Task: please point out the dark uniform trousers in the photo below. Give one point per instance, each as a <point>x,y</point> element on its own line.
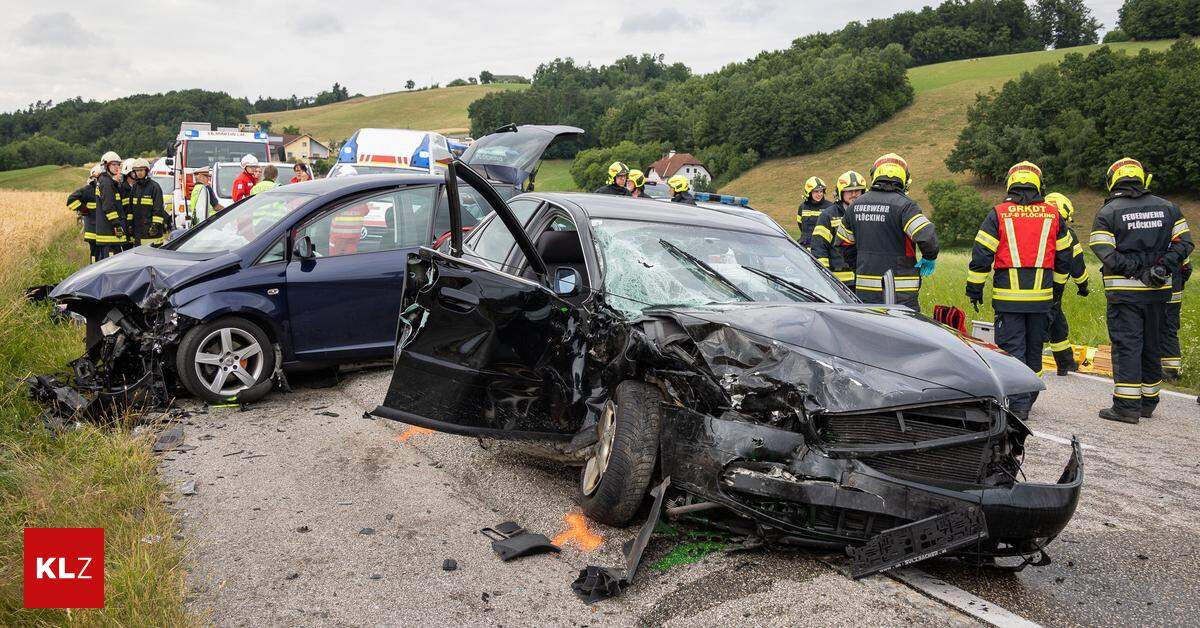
<point>1135,329</point>
<point>1021,335</point>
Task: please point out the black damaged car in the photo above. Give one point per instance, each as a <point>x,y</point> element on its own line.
<point>646,339</point>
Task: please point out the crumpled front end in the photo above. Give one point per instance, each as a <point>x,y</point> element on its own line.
<point>821,450</point>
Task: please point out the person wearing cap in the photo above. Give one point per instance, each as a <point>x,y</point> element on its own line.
<point>110,219</point>
<point>246,180</point>
<point>1142,241</point>
<point>204,200</point>
<point>810,209</point>
<point>884,229</point>
<point>618,177</point>
<point>83,201</point>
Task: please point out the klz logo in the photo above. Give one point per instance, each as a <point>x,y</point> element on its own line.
<point>64,567</point>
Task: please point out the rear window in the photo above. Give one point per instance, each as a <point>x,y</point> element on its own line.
<point>166,182</point>
<point>202,153</point>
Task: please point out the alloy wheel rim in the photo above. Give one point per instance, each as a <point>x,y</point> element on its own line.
<point>228,360</point>
<point>606,432</point>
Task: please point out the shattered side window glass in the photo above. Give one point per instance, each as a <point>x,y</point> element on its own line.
<point>649,264</point>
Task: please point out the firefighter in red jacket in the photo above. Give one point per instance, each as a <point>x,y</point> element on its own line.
<point>246,179</point>
<point>1059,331</point>
<point>1142,242</point>
<point>1025,240</point>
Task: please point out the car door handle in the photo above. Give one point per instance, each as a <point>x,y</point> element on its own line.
<point>458,300</point>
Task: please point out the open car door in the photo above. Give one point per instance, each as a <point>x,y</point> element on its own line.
<point>509,157</point>
<point>481,350</point>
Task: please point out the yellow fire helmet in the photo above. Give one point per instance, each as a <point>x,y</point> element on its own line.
<point>1024,173</point>
<point>1127,168</point>
<point>615,170</point>
<point>678,183</point>
<point>891,166</point>
<point>850,180</point>
<point>811,184</point>
<point>1062,204</point>
<point>638,177</point>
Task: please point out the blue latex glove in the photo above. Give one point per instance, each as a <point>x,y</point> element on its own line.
<point>926,266</point>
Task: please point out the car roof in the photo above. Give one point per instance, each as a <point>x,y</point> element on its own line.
<point>358,182</point>
<point>628,208</point>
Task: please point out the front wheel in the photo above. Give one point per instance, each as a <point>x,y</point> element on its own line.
<point>225,360</point>
<point>614,480</point>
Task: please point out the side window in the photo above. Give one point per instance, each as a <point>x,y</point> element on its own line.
<point>275,253</point>
<point>383,222</point>
<point>494,241</point>
<point>475,209</point>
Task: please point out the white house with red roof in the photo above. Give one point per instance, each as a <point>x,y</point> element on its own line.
<point>674,163</point>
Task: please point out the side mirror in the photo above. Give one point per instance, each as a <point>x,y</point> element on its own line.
<point>169,162</point>
<point>303,249</point>
<point>566,282</point>
<point>171,149</point>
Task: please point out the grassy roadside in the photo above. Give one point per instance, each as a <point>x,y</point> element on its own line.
<point>88,477</point>
<point>51,178</point>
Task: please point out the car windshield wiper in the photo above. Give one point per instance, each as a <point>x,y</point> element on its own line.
<point>788,284</point>
<point>709,270</point>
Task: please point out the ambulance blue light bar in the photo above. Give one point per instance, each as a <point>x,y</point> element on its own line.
<point>260,135</point>
<point>191,133</point>
<point>724,199</point>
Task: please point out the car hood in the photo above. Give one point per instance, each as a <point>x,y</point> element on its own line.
<point>851,357</point>
<point>140,275</point>
<point>511,154</point>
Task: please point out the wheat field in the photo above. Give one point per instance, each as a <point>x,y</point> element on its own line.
<point>29,221</point>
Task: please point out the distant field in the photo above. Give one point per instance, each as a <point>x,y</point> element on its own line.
<point>50,178</point>
<point>924,133</point>
<point>555,176</point>
<point>443,109</point>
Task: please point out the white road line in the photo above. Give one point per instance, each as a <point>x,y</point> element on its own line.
<point>968,603</point>
<point>1106,380</point>
<point>1057,439</point>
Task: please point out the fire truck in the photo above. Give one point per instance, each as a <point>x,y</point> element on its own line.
<point>199,146</point>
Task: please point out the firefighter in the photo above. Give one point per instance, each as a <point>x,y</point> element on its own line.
<point>829,250</point>
<point>1172,360</point>
<point>1142,241</point>
<point>618,176</point>
<point>204,200</point>
<point>1059,332</point>
<point>681,190</point>
<point>246,179</point>
<point>126,184</point>
<point>110,220</point>
<point>1026,241</point>
<point>83,202</point>
<point>637,183</point>
<point>883,230</point>
<point>810,210</point>
<point>150,217</point>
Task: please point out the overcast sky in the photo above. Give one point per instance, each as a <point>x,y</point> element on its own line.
<point>70,48</point>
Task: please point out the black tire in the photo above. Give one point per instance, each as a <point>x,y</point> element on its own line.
<point>240,328</point>
<point>630,467</point>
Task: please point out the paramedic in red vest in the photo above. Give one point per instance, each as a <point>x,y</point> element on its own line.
<point>246,180</point>
<point>1026,241</point>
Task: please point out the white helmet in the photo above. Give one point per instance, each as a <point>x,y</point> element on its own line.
<point>95,171</point>
<point>248,161</point>
<point>140,163</point>
<point>127,166</point>
<point>109,157</point>
<point>346,172</point>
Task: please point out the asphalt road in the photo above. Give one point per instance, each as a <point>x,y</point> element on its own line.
<point>307,513</point>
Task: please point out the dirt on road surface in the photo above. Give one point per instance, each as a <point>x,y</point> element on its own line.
<point>305,512</point>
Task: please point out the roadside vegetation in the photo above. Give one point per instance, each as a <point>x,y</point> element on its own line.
<point>55,178</point>
<point>87,476</point>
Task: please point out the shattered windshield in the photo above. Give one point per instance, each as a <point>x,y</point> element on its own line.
<point>239,225</point>
<point>649,264</point>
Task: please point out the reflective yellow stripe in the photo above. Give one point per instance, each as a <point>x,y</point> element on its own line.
<point>824,261</point>
<point>1082,278</point>
<point>1152,389</point>
<point>1172,363</point>
<point>1013,251</point>
<point>809,213</point>
<point>107,239</point>
<point>915,224</point>
<point>158,220</point>
<point>974,277</point>
<point>112,215</point>
<point>844,276</point>
<point>73,205</point>
<point>1060,277</point>
<point>1062,243</point>
<point>1077,249</point>
<point>821,231</point>
<point>1125,390</point>
<point>987,240</point>
<point>1017,294</point>
<point>1060,346</point>
<point>1177,297</point>
<point>1117,282</point>
<point>1180,228</point>
<point>871,283</point>
<point>88,235</point>
<point>1099,238</point>
<point>845,234</point>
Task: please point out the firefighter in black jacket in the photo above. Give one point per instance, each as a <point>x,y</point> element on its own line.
<point>618,176</point>
<point>146,202</point>
<point>110,218</point>
<point>83,202</point>
<point>126,188</point>
<point>826,247</point>
<point>1025,239</point>
<point>1142,241</point>
<point>1060,331</point>
<point>1172,360</point>
<point>810,210</point>
<point>681,190</point>
<point>884,228</point>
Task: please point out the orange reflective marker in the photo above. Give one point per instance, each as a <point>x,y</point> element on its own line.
<point>410,432</point>
<point>578,532</point>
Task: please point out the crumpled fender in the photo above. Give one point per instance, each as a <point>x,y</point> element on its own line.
<point>141,276</point>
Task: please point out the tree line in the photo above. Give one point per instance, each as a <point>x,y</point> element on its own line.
<point>1144,20</point>
<point>1076,117</point>
<point>337,93</point>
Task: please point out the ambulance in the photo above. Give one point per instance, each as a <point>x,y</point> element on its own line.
<point>199,146</point>
<point>385,151</point>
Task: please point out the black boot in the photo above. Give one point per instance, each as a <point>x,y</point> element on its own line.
<point>1065,361</point>
<point>1122,416</point>
<point>1147,412</point>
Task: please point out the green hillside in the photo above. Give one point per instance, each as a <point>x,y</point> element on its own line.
<point>924,134</point>
<point>443,109</point>
<point>52,178</point>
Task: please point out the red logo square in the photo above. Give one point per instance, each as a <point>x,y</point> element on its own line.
<point>64,567</point>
